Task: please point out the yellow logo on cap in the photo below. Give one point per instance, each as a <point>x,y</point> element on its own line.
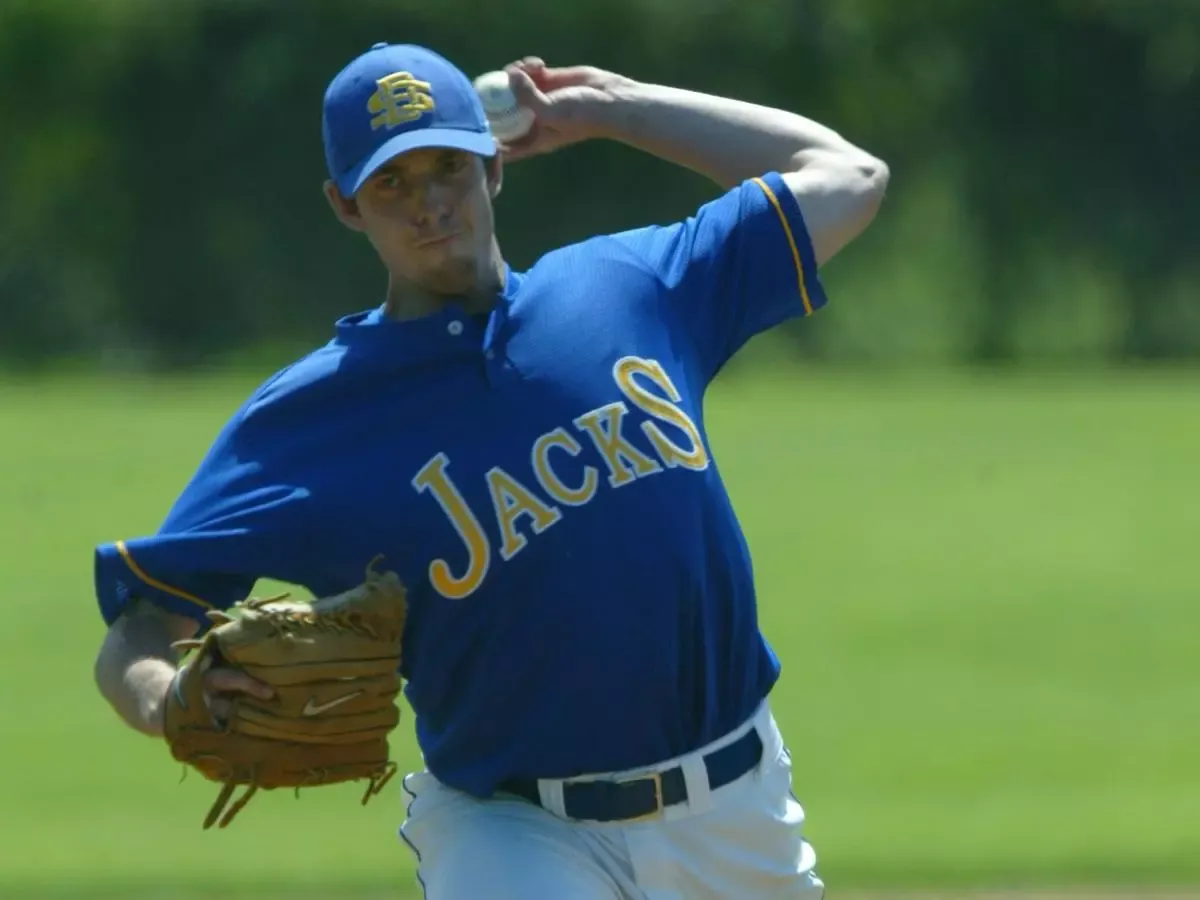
<point>399,98</point>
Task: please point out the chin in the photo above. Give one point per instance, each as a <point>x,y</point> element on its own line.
<point>451,280</point>
<point>456,275</point>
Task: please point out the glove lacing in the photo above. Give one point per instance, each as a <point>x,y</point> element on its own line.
<point>317,776</point>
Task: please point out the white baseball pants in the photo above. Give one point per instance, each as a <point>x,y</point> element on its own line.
<point>743,840</point>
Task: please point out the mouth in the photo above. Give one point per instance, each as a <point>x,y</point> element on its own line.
<point>439,241</point>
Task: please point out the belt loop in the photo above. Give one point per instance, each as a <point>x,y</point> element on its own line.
<point>699,792</point>
<point>551,795</point>
<point>772,738</point>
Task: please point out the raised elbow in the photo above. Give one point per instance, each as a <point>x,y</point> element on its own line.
<point>107,668</point>
<point>839,195</point>
<point>865,193</point>
<point>873,177</point>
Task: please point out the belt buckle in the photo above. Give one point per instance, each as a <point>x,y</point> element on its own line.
<point>659,805</point>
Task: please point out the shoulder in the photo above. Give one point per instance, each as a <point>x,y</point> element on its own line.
<point>609,253</point>
<point>253,453</point>
<point>314,367</point>
<point>272,403</point>
<point>666,251</point>
<point>568,279</point>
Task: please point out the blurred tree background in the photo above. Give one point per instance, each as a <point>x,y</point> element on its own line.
<point>161,165</point>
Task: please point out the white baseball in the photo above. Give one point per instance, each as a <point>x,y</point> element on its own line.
<point>507,118</point>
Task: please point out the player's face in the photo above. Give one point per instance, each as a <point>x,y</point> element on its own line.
<point>428,213</point>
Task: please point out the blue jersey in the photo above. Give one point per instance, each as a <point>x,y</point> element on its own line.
<point>581,594</point>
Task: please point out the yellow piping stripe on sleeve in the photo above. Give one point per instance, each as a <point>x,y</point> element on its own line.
<point>791,239</point>
<point>154,583</point>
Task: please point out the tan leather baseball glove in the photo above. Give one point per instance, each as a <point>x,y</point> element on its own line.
<point>333,664</point>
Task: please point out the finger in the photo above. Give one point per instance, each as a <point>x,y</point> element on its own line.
<point>220,709</point>
<point>525,90</point>
<point>510,152</point>
<point>515,153</point>
<point>535,68</point>
<point>231,681</point>
<point>568,76</point>
<point>529,144</point>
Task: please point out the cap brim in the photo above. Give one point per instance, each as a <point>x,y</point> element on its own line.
<point>470,141</point>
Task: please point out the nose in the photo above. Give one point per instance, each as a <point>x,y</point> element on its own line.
<point>432,204</point>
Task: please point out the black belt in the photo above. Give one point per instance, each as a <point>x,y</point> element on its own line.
<point>641,798</point>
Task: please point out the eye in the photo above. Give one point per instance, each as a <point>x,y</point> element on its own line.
<point>452,163</point>
<point>388,181</point>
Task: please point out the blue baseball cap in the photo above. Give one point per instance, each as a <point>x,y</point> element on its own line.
<point>395,98</point>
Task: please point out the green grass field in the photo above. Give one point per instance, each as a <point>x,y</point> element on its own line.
<point>986,593</point>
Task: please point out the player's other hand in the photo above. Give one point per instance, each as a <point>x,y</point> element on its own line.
<point>569,104</point>
<point>223,686</point>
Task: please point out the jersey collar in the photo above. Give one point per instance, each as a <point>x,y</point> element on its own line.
<point>450,332</point>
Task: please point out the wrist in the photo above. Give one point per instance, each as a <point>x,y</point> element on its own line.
<point>611,117</point>
<point>153,715</point>
<point>151,693</point>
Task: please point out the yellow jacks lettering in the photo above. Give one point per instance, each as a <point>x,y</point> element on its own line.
<point>694,457</point>
<point>433,478</point>
<point>511,500</point>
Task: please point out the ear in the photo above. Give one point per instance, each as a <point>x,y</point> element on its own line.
<point>493,170</point>
<point>345,208</point>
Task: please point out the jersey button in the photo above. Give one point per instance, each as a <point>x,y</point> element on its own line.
<point>491,354</point>
<point>455,328</point>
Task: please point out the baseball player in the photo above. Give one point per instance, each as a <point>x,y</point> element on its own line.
<point>527,451</point>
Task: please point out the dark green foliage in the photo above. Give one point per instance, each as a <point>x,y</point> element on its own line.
<point>161,164</point>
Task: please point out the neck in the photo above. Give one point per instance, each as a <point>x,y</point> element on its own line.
<point>409,300</point>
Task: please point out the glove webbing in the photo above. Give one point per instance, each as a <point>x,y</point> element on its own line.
<point>375,785</point>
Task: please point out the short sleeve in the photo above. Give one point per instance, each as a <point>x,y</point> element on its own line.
<point>741,265</point>
<point>236,521</point>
